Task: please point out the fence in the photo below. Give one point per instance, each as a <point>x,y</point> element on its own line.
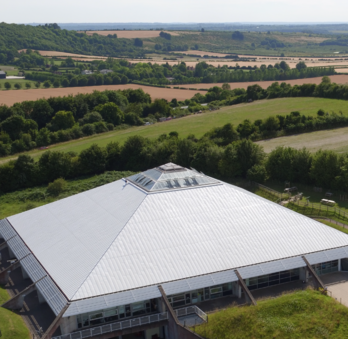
<point>277,195</point>
<point>117,326</point>
<point>181,312</point>
<point>317,209</point>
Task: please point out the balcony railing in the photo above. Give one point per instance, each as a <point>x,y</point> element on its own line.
<point>181,312</point>
<point>117,326</point>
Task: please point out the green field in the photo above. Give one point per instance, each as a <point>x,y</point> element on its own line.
<point>335,140</point>
<point>200,124</point>
<point>14,81</point>
<point>11,324</point>
<point>304,314</point>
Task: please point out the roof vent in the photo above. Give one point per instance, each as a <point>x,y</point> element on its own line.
<point>170,167</point>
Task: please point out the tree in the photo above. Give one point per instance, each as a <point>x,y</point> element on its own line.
<point>325,80</point>
<point>63,120</point>
<point>226,86</point>
<point>257,173</point>
<point>321,113</point>
<point>43,137</point>
<point>301,65</point>
<point>8,85</point>
<point>93,159</point>
<point>65,82</point>
<point>37,84</point>
<point>13,126</point>
<point>56,187</point>
<point>284,66</point>
<point>111,113</point>
<point>56,83</point>
<point>28,85</point>
<point>54,165</point>
<point>17,85</point>
<point>237,35</point>
<point>42,112</point>
<point>325,168</point>
<point>138,42</point>
<point>47,84</point>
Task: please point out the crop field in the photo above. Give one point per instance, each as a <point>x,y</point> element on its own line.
<point>11,97</point>
<point>65,54</point>
<point>201,123</point>
<point>335,140</point>
<point>339,79</point>
<point>131,34</point>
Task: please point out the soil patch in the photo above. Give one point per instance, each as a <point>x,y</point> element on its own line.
<point>339,79</point>
<point>11,97</point>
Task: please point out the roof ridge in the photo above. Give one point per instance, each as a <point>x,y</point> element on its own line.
<point>112,242</point>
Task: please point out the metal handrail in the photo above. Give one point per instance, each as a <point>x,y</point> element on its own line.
<point>116,326</point>
<point>181,312</point>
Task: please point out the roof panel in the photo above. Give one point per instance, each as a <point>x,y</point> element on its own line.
<point>71,235</point>
<point>180,234</point>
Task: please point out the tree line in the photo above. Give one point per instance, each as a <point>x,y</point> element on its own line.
<point>220,153</point>
<point>43,122</point>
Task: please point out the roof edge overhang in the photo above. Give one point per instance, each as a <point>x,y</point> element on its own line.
<point>50,291</point>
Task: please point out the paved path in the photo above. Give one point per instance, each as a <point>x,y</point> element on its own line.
<point>337,285</point>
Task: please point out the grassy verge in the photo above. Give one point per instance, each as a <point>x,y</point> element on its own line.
<point>23,200</point>
<point>202,123</point>
<point>331,224</point>
<point>11,324</point>
<point>303,314</point>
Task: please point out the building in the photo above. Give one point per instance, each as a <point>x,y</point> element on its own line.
<point>86,72</point>
<point>138,252</point>
<point>2,75</point>
<point>106,71</point>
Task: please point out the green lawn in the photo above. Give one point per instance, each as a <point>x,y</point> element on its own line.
<point>14,81</point>
<point>11,324</point>
<point>200,124</point>
<point>304,314</point>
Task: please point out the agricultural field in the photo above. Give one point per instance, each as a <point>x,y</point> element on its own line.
<point>131,34</point>
<point>335,140</point>
<point>13,82</point>
<point>301,314</point>
<point>11,97</point>
<point>338,79</point>
<point>201,123</point>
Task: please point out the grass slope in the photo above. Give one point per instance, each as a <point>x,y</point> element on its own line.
<point>200,124</point>
<point>11,324</point>
<point>305,314</point>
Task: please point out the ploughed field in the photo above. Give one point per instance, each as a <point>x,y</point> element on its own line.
<point>11,97</point>
<point>201,123</point>
<point>339,79</point>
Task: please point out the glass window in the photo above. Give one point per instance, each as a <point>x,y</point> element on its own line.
<point>96,316</point>
<point>214,290</point>
<point>262,279</point>
<point>138,308</point>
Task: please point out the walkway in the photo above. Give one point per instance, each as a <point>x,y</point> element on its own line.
<point>337,285</point>
<point>35,315</point>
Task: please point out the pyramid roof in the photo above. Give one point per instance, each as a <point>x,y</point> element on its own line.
<point>162,225</point>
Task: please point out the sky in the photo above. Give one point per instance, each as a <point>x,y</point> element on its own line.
<point>166,11</point>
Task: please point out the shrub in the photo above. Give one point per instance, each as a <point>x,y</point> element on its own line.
<point>56,187</point>
<point>88,129</point>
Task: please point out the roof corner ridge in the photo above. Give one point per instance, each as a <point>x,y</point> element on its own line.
<point>113,241</point>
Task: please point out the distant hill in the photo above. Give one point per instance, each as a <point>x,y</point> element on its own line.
<point>52,38</point>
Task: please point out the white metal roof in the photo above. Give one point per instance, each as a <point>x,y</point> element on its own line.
<point>119,237</point>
